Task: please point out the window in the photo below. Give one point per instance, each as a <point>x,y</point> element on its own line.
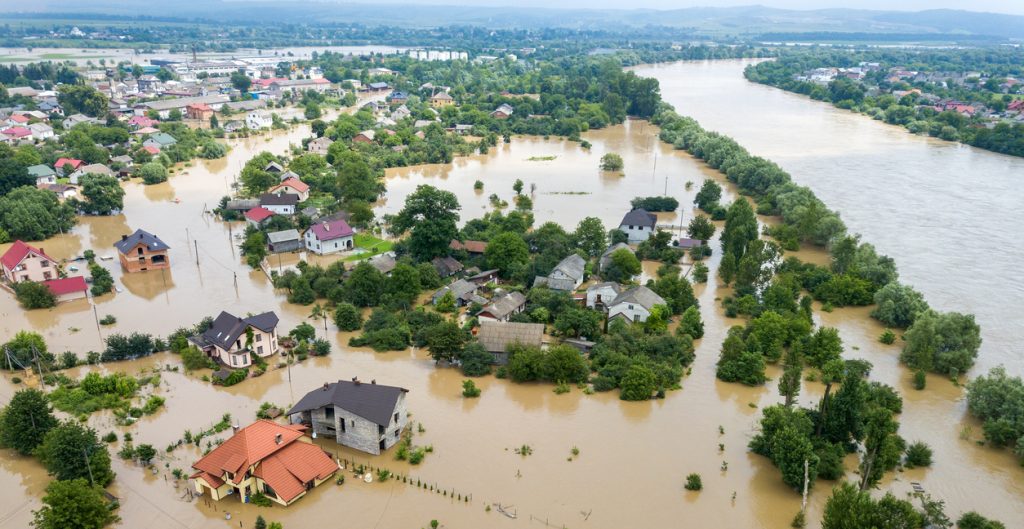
<point>44,263</point>
<point>631,307</point>
<point>259,337</point>
<point>396,418</point>
<point>259,350</point>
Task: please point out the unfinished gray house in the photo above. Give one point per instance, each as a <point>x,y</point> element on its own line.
<point>365,416</point>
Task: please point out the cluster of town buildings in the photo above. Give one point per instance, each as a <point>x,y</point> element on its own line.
<point>1009,85</point>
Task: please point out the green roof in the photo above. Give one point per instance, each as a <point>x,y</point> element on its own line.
<point>41,170</point>
<point>163,138</point>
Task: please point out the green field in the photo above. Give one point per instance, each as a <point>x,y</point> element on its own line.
<point>373,245</point>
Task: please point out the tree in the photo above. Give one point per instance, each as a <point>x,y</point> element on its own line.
<point>446,304</point>
<point>740,229</point>
<point>590,236</point>
<point>153,173</point>
<point>303,332</point>
<point>996,399</point>
<point>469,389</point>
<point>365,285</point>
<point>576,322</point>
<point>737,364</point>
<point>639,383</point>
<point>145,453</point>
<point>973,520</point>
<point>676,290</point>
<point>475,360</point>
<point>192,358</point>
<point>347,317</point>
<point>72,451</point>
<point>445,340</point>
<point>33,214</point>
<point>32,295</point>
<point>431,216</point>
<point>708,196</point>
<point>103,194</point>
<point>823,346</point>
<point>518,186</point>
<point>14,174</point>
<point>82,99</point>
<point>240,81</point>
<point>73,504</point>
<point>945,343</point>
<point>564,363</point>
<point>25,421</point>
<point>690,323</point>
<point>789,384</point>
<point>254,248</point>
<point>102,281</point>
<point>701,228</point>
<point>623,266</point>
<point>507,253</point>
<point>898,305</point>
<point>312,110</point>
<point>255,180</point>
<point>612,162</point>
<point>849,508</point>
<point>404,284</point>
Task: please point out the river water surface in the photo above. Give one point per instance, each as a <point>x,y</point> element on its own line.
<point>633,456</point>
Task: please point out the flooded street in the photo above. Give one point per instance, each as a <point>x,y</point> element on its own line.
<point>634,456</point>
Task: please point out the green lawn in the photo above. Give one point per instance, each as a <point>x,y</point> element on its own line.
<point>373,245</point>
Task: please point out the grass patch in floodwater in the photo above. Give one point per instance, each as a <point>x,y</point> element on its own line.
<point>372,246</point>
<point>568,193</point>
<point>541,158</point>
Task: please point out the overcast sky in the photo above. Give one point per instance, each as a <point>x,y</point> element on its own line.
<point>994,6</point>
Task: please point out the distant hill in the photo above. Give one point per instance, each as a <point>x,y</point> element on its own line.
<point>714,21</point>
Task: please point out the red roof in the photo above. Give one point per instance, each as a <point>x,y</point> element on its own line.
<point>335,229</point>
<point>142,121</point>
<point>266,82</point>
<point>280,461</point>
<point>19,118</point>
<point>61,162</point>
<point>203,107</point>
<point>17,132</point>
<point>293,183</point>
<point>17,253</point>
<point>152,149</point>
<point>66,285</point>
<point>258,214</point>
<point>1016,104</point>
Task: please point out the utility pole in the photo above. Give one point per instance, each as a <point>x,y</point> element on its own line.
<point>96,316</point>
<point>195,244</point>
<point>88,466</point>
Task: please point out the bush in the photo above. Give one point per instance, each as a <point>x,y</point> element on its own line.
<point>260,500</point>
<point>919,454</point>
<point>612,162</point>
<point>34,295</point>
<point>888,337</point>
<point>153,173</point>
<point>944,343</point>
<point>700,272</point>
<point>469,389</point>
<point>920,379</point>
<point>973,520</point>
<point>693,482</point>
<point>111,437</point>
<point>655,203</point>
<point>347,317</point>
<point>109,319</point>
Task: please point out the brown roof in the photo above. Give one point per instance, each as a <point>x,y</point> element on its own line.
<point>496,337</point>
<point>281,461</point>
<point>469,246</point>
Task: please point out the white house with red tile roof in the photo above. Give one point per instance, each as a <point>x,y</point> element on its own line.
<point>292,186</point>
<point>281,462</point>
<point>66,166</point>
<point>22,262</point>
<point>257,215</point>
<point>329,237</point>
<point>16,134</point>
<point>15,120</point>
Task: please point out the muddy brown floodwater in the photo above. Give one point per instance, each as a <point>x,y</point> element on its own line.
<point>633,456</point>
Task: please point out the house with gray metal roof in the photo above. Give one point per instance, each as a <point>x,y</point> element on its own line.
<point>284,241</point>
<point>463,291</point>
<point>365,416</point>
<point>634,304</point>
<point>567,274</point>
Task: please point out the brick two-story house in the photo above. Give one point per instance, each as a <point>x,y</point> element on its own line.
<point>142,251</point>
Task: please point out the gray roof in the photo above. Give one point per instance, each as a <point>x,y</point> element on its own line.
<point>639,217</point>
<point>446,266</point>
<point>384,263</point>
<point>182,102</point>
<point>242,204</point>
<point>572,266</point>
<point>500,308</point>
<point>607,284</point>
<point>554,284</point>
<point>461,289</point>
<point>640,295</point>
<point>283,236</point>
<point>606,257</point>
<point>373,402</point>
<point>496,337</point>
<point>152,242</point>
<point>280,199</point>
<point>95,168</point>
<point>228,327</point>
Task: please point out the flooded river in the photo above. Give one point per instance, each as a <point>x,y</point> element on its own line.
<point>634,456</point>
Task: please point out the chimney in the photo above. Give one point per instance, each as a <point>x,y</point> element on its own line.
<point>374,381</point>
<point>325,386</point>
<point>124,237</point>
<point>355,380</point>
<point>277,439</point>
<point>234,428</point>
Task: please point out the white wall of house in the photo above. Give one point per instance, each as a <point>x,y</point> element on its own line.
<point>315,245</point>
<point>635,312</point>
<point>264,344</point>
<point>32,268</point>
<point>557,274</point>
<point>286,209</point>
<point>637,234</point>
<point>605,294</point>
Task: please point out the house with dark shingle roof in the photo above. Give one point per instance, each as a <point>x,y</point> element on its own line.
<point>365,416</point>
<point>279,461</point>
<point>280,203</point>
<point>142,251</point>
<point>638,225</point>
<point>228,339</point>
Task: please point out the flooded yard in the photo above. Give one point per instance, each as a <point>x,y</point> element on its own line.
<point>633,456</point>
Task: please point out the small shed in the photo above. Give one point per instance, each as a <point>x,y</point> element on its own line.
<point>284,241</point>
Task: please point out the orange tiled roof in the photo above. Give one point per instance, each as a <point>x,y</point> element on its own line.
<point>284,465</point>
